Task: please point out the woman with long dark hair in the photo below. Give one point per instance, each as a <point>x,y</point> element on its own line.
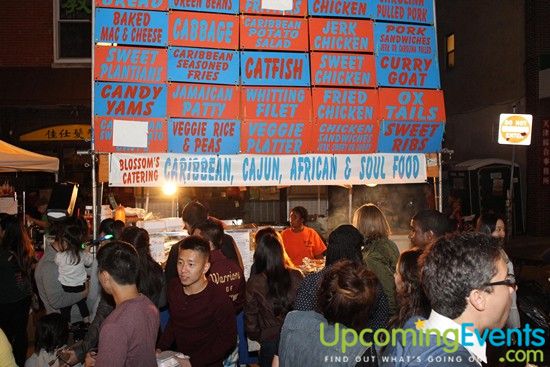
<point>270,293</point>
<point>379,252</point>
<point>344,243</point>
<point>16,264</point>
<point>411,299</point>
<point>151,278</point>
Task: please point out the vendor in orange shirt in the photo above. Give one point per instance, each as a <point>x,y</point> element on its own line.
<point>301,241</point>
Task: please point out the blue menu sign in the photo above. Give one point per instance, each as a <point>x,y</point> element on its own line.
<point>130,99</point>
<point>421,11</point>
<point>410,137</point>
<point>131,27</point>
<point>196,136</point>
<point>402,70</point>
<point>203,65</point>
<point>407,39</point>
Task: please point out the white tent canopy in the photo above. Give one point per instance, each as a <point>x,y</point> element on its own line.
<point>15,159</point>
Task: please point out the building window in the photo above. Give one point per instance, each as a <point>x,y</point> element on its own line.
<point>450,47</point>
<point>72,31</point>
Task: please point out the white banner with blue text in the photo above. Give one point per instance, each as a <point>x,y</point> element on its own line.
<point>158,169</point>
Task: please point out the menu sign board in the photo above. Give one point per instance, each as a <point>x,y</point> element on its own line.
<point>131,27</point>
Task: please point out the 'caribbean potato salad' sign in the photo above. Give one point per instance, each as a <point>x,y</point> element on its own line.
<point>266,92</point>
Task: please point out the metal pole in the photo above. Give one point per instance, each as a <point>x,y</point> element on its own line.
<point>440,178</point>
<point>509,225</point>
<point>510,206</point>
<point>94,194</point>
<point>94,184</point>
<point>318,200</point>
<point>23,208</point>
<point>350,203</point>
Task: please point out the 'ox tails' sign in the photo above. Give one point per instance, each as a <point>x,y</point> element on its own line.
<point>404,11</point>
<point>130,64</point>
<point>341,35</point>
<point>405,71</point>
<point>209,6</point>
<point>131,27</point>
<point>157,141</point>
<point>353,70</point>
<point>275,68</point>
<point>411,105</point>
<point>134,4</point>
<point>203,101</point>
<point>276,103</point>
<point>204,136</point>
<point>130,99</point>
<point>203,30</point>
<point>273,33</point>
<point>410,137</point>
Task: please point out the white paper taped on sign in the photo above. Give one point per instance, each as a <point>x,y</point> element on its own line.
<point>130,133</point>
<point>276,4</point>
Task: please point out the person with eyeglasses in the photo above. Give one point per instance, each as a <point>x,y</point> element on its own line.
<point>466,280</point>
<point>493,225</point>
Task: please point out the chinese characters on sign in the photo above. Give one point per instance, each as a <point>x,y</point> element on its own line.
<point>60,133</point>
<point>546,152</point>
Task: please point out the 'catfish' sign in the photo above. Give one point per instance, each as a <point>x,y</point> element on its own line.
<point>275,68</point>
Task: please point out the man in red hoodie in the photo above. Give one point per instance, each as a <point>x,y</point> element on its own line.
<point>223,272</point>
<point>202,318</point>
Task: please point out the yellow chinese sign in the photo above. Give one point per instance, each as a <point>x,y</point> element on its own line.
<point>60,133</point>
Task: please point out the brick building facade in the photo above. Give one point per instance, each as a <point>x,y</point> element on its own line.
<point>37,90</point>
<point>537,44</point>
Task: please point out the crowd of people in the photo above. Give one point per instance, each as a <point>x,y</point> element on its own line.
<point>118,291</point>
